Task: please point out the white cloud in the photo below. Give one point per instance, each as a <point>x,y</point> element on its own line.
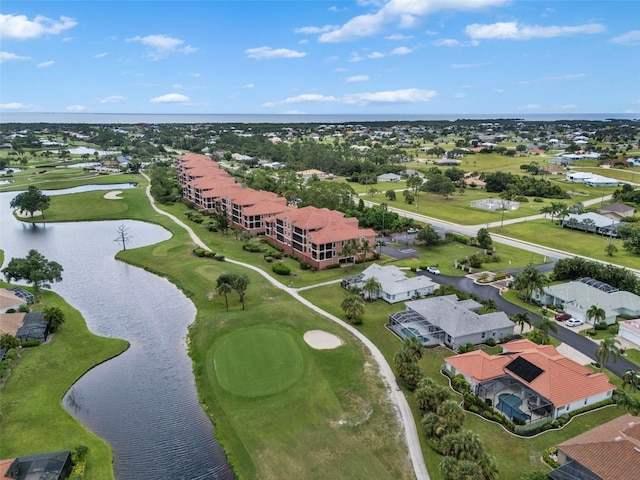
<point>356,58</point>
<point>530,106</point>
<point>48,63</point>
<point>459,95</point>
<point>333,58</point>
<point>569,77</point>
<point>569,106</point>
<point>101,55</point>
<point>171,98</point>
<point>358,78</point>
<point>19,27</point>
<point>177,85</point>
<point>340,69</point>
<point>452,42</point>
<point>402,12</point>
<point>470,65</point>
<point>76,108</point>
<point>67,39</point>
<point>195,75</point>
<point>398,36</point>
<point>409,95</point>
<point>162,45</point>
<point>112,99</point>
<point>268,53</point>
<point>315,30</point>
<point>499,90</point>
<point>7,56</point>
<point>248,85</point>
<point>631,38</point>
<point>518,31</point>
<point>14,106</point>
<point>401,51</point>
<point>374,55</point>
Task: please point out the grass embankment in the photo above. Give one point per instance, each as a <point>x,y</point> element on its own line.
<point>513,454</point>
<point>329,418</point>
<point>546,233</point>
<point>33,419</point>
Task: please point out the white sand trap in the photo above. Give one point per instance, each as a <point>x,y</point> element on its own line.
<point>113,195</point>
<point>25,214</point>
<point>321,340</point>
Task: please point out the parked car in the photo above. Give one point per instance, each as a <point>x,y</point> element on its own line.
<point>413,230</point>
<point>561,317</point>
<point>573,322</point>
<point>433,270</point>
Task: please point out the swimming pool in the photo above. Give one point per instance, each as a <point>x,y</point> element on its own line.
<point>509,404</point>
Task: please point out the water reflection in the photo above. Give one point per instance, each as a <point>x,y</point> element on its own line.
<point>143,402</point>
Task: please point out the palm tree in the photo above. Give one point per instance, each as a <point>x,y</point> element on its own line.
<point>631,379</point>
<point>413,347</point>
<point>545,326</point>
<point>349,249</point>
<point>240,285</point>
<point>353,307</point>
<point>371,288</point>
<point>463,445</point>
<point>609,347</point>
<point>224,289</point>
<point>530,280</point>
<point>365,249</point>
<point>610,249</point>
<point>521,319</point>
<point>596,314</point>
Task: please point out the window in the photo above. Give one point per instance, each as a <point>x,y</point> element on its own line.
<point>484,334</point>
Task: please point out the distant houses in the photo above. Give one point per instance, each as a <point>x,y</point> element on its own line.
<point>316,236</point>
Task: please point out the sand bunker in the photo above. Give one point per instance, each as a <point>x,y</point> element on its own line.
<point>321,340</point>
<point>113,195</point>
<point>25,214</point>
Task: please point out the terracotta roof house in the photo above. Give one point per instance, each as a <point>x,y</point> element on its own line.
<point>395,285</point>
<point>578,296</point>
<point>610,451</point>
<point>530,381</point>
<point>616,211</point>
<point>317,236</point>
<point>450,321</point>
<point>11,322</point>
<point>9,300</point>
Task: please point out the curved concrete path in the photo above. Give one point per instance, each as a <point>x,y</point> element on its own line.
<point>395,394</point>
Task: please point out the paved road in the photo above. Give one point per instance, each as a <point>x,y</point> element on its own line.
<point>395,394</point>
<point>565,334</point>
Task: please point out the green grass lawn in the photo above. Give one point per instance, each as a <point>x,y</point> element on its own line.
<point>633,354</point>
<point>33,419</point>
<point>549,234</point>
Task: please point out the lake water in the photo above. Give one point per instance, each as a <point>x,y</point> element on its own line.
<point>143,402</point>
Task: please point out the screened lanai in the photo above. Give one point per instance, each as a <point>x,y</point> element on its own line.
<point>408,323</point>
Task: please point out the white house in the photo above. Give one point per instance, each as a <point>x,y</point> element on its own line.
<point>578,296</point>
<point>630,330</point>
<point>389,177</point>
<point>395,285</point>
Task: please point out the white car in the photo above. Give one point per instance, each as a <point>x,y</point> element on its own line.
<point>573,322</point>
<point>413,230</point>
<point>433,270</point>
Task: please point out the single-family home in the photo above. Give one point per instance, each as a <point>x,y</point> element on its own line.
<point>395,284</point>
<point>577,297</point>
<point>592,223</point>
<point>49,466</point>
<point>530,382</point>
<point>630,330</point>
<point>616,211</point>
<point>609,451</point>
<point>34,327</point>
<point>9,300</point>
<point>591,179</point>
<point>389,177</point>
<point>307,174</point>
<point>450,321</point>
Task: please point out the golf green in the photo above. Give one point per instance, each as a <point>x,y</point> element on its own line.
<point>257,361</point>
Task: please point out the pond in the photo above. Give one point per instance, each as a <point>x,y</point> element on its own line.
<point>143,402</point>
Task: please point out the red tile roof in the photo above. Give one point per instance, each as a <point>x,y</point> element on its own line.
<point>562,380</point>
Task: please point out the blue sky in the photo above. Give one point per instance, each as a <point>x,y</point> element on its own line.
<point>320,57</point>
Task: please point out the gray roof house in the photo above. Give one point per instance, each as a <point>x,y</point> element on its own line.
<point>578,296</point>
<point>449,321</point>
<point>395,285</point>
<point>389,177</point>
<point>591,222</point>
<point>616,211</point>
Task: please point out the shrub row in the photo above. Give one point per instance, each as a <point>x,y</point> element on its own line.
<point>280,269</point>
